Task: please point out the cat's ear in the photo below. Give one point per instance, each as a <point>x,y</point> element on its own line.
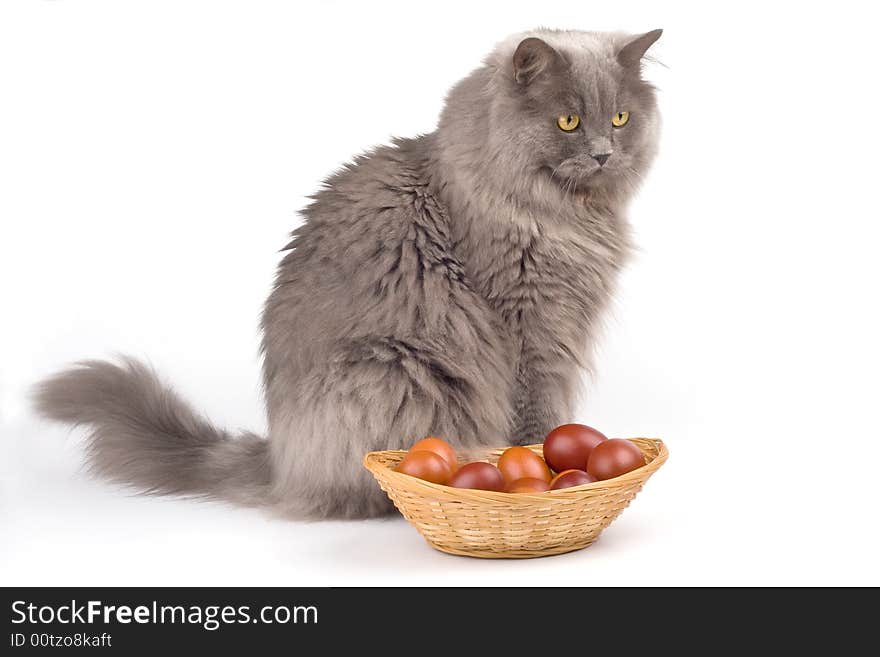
<point>532,58</point>
<point>630,56</point>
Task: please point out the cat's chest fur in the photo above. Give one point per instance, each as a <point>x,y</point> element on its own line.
<point>546,281</point>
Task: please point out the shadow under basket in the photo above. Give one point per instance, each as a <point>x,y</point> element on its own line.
<point>490,525</point>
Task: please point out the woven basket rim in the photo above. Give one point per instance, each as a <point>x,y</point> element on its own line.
<point>373,462</point>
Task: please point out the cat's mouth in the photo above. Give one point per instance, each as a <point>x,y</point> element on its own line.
<point>572,179</point>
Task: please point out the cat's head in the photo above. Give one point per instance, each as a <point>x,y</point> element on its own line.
<point>570,108</point>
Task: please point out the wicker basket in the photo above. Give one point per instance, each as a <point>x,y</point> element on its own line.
<point>493,525</point>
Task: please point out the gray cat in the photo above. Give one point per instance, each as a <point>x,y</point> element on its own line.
<point>450,285</point>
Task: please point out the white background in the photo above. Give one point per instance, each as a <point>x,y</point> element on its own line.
<point>153,156</point>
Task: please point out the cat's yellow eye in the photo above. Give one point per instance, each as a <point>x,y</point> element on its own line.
<point>619,120</point>
<point>568,122</point>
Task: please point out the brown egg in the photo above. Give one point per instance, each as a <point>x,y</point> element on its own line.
<point>425,465</point>
<point>521,462</point>
<point>568,446</point>
<point>613,458</point>
<point>440,447</point>
<point>569,478</point>
<point>527,485</point>
<point>478,475</point>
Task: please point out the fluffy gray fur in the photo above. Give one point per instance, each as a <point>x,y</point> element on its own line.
<point>451,285</point>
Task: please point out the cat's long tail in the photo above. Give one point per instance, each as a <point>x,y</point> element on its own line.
<point>141,433</point>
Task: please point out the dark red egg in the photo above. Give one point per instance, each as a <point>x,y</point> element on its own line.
<point>568,446</point>
<point>479,475</point>
<point>613,458</point>
<point>570,478</point>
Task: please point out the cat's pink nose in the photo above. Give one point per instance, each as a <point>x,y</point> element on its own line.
<point>601,158</point>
